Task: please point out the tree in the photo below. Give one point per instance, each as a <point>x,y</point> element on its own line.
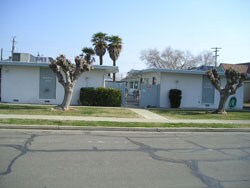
<point>234,81</point>
<point>169,58</point>
<point>67,75</point>
<point>206,58</point>
<point>87,53</point>
<point>99,41</point>
<point>114,49</point>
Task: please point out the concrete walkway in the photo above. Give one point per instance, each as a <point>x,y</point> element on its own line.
<point>145,117</point>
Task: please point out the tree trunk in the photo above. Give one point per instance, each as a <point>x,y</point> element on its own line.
<point>101,59</point>
<point>113,77</point>
<point>223,99</point>
<point>114,64</point>
<point>68,93</point>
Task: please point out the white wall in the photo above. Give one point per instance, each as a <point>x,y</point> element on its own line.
<point>191,87</point>
<point>22,84</point>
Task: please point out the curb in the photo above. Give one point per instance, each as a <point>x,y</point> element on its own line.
<point>135,129</point>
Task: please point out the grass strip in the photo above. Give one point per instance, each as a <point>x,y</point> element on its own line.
<point>74,111</point>
<point>201,114</point>
<point>118,124</point>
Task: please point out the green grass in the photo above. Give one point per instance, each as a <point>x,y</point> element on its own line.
<point>74,111</point>
<point>116,124</point>
<point>201,114</point>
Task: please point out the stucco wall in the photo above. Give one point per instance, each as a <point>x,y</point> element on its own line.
<point>191,87</point>
<point>21,85</point>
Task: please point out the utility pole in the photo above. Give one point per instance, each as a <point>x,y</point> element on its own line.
<point>13,47</point>
<point>1,54</point>
<point>216,50</point>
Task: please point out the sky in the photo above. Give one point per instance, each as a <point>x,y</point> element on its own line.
<point>53,27</point>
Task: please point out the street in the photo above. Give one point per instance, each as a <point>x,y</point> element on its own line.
<point>102,159</point>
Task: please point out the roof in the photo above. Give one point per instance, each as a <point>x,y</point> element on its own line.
<point>237,67</point>
<point>107,69</point>
<point>247,64</point>
<point>183,71</point>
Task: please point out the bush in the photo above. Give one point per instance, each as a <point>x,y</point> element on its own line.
<point>175,98</point>
<point>100,97</point>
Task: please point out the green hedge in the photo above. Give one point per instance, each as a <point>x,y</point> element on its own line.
<point>175,98</point>
<point>100,97</point>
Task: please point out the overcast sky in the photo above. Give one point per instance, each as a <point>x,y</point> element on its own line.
<point>52,27</point>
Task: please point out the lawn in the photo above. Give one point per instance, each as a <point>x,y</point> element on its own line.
<point>201,114</point>
<point>120,124</point>
<point>74,111</point>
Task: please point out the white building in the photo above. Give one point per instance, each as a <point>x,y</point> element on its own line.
<point>197,91</point>
<point>27,82</point>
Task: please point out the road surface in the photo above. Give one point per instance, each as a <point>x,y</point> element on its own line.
<point>99,159</point>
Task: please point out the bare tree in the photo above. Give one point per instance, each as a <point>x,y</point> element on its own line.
<point>234,81</point>
<point>206,58</point>
<point>67,75</point>
<point>169,58</point>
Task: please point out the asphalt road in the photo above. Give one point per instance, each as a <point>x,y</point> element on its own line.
<point>96,159</point>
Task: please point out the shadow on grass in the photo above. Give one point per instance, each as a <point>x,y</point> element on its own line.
<point>21,107</point>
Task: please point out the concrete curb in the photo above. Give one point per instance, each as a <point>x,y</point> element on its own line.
<point>135,129</point>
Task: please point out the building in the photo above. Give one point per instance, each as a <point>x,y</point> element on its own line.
<point>34,82</point>
<point>197,91</point>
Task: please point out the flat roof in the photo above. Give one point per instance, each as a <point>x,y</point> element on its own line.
<point>108,69</point>
<point>197,72</point>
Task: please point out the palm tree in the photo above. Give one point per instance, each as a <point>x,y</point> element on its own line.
<point>99,41</point>
<point>114,49</point>
<point>87,53</point>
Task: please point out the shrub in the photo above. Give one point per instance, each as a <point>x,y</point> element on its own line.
<point>175,98</point>
<point>100,97</point>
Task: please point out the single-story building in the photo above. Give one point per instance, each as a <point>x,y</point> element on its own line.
<point>35,82</point>
<point>197,91</point>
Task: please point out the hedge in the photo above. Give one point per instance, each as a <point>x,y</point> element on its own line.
<point>175,98</point>
<point>100,97</point>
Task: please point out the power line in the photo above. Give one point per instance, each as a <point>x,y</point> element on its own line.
<point>216,50</point>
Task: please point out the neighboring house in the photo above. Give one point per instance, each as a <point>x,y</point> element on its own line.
<point>197,91</point>
<point>242,68</point>
<point>35,82</point>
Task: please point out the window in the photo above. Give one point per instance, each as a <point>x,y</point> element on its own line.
<point>207,91</point>
<point>131,84</point>
<point>153,81</point>
<point>47,85</point>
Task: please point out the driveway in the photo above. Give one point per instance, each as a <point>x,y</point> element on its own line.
<point>101,159</point>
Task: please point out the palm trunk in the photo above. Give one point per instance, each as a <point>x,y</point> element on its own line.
<point>114,64</point>
<point>101,59</point>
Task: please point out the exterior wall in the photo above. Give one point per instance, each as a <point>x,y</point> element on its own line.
<point>191,87</point>
<point>21,85</point>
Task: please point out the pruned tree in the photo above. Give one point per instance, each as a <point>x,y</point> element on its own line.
<point>234,80</point>
<point>68,73</point>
